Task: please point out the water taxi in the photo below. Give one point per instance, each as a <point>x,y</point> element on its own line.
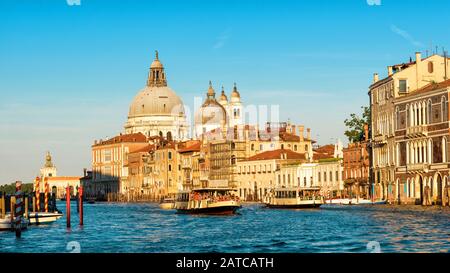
<point>167,203</point>
<point>295,198</point>
<point>218,201</point>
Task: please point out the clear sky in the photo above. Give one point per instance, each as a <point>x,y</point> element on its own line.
<point>68,73</point>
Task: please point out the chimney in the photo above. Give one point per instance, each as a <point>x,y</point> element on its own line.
<point>293,130</point>
<point>418,69</point>
<point>301,132</point>
<point>390,71</point>
<point>375,77</point>
<point>418,57</point>
<point>366,132</point>
<point>85,171</point>
<point>308,133</point>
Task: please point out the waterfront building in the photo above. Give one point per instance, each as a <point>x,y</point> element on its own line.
<point>401,80</point>
<point>109,161</point>
<point>56,184</point>
<point>189,157</point>
<point>139,173</point>
<point>157,109</point>
<point>257,174</point>
<point>422,140</point>
<point>356,167</point>
<point>328,171</point>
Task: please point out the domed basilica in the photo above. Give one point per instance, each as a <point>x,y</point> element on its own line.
<point>157,109</point>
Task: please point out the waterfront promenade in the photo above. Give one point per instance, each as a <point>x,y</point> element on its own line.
<point>143,227</point>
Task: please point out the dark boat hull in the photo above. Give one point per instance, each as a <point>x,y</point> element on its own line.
<point>225,210</point>
<point>296,206</point>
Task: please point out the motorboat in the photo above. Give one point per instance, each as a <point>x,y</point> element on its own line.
<point>37,218</point>
<point>297,198</point>
<point>167,203</point>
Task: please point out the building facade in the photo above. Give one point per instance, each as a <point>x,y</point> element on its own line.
<point>393,121</point>
<point>401,80</point>
<point>356,166</point>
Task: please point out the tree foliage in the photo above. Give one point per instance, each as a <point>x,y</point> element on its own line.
<point>355,125</point>
<point>11,188</point>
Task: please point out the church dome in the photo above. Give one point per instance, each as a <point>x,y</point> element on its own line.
<point>156,101</point>
<point>235,94</point>
<point>211,112</point>
<point>223,98</point>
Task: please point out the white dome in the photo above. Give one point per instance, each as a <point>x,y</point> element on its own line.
<point>156,101</point>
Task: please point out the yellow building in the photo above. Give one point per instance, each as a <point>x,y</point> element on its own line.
<point>401,80</point>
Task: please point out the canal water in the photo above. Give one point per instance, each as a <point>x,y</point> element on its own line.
<point>117,227</point>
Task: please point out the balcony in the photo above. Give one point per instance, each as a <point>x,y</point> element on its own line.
<point>417,131</point>
<point>380,139</point>
<point>418,168</point>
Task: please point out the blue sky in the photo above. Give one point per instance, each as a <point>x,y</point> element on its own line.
<point>69,73</point>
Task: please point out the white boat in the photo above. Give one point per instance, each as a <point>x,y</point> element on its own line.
<point>167,203</point>
<point>217,201</point>
<point>37,218</point>
<point>353,201</point>
<point>295,198</point>
<point>5,223</point>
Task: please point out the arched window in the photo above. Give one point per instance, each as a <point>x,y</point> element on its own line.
<point>444,108</point>
<point>397,118</point>
<point>253,147</point>
<point>429,111</point>
<point>444,149</point>
<point>408,114</point>
<point>430,67</point>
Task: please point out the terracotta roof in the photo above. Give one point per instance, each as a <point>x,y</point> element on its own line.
<point>432,86</point>
<point>145,149</point>
<point>191,148</point>
<point>137,137</point>
<point>276,154</point>
<point>328,149</point>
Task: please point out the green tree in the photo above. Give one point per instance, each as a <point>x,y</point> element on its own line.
<point>11,188</point>
<point>355,125</point>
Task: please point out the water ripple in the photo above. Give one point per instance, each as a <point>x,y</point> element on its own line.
<point>147,228</point>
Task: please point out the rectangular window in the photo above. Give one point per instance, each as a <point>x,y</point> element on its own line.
<point>402,86</point>
<point>107,155</point>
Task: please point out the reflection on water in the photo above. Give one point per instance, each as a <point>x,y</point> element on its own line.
<point>146,228</point>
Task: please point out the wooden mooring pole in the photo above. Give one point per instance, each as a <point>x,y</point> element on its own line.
<point>18,209</point>
<point>3,206</point>
<point>80,204</point>
<point>68,206</point>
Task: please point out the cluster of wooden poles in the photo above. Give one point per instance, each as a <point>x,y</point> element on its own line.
<point>19,206</point>
<point>79,206</point>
